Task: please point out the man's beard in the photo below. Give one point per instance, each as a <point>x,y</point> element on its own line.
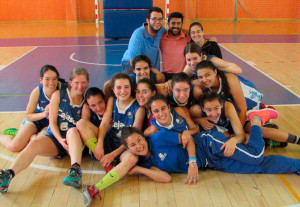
<point>171,31</point>
<point>152,29</point>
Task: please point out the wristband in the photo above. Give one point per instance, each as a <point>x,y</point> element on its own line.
<point>192,160</point>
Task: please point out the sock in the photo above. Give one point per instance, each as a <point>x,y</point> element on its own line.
<point>76,165</point>
<point>11,172</point>
<point>293,139</point>
<point>109,179</point>
<point>92,143</point>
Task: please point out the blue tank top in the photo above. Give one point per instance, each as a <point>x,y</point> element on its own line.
<point>178,123</point>
<point>124,117</point>
<point>95,118</point>
<point>252,96</point>
<point>43,100</point>
<point>68,114</point>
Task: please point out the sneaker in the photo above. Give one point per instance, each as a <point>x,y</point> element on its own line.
<point>272,143</point>
<point>5,178</point>
<point>74,178</point>
<point>10,131</point>
<point>265,115</point>
<point>89,192</point>
<point>108,168</point>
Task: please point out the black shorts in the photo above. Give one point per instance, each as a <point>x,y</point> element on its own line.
<point>61,150</point>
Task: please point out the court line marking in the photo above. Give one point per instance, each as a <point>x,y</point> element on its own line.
<point>289,187</point>
<point>19,58</point>
<point>55,169</point>
<point>298,96</point>
<point>72,58</point>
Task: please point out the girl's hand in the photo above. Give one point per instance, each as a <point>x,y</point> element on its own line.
<point>193,175</point>
<point>99,152</point>
<point>229,146</point>
<point>107,159</point>
<point>205,124</point>
<point>186,136</point>
<point>64,143</point>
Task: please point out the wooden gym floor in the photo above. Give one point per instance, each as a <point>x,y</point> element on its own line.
<point>268,53</point>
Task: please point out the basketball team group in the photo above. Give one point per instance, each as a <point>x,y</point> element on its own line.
<point>194,113</point>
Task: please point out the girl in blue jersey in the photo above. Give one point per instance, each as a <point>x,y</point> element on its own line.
<point>62,137</point>
<point>123,110</point>
<point>142,68</point>
<point>164,150</point>
<point>165,117</point>
<point>240,91</point>
<point>183,93</point>
<point>222,116</point>
<point>145,89</point>
<point>37,111</point>
<point>193,55</point>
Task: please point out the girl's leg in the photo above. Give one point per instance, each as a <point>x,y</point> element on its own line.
<point>40,146</point>
<point>128,160</point>
<point>88,133</point>
<point>19,142</point>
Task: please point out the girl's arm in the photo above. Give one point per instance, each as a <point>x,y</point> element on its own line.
<point>139,118</point>
<point>86,113</point>
<point>193,175</point>
<point>226,66</point>
<point>154,173</point>
<point>150,130</point>
<point>188,70</point>
<point>159,76</point>
<point>236,91</point>
<point>31,107</point>
<point>53,116</point>
<point>99,150</point>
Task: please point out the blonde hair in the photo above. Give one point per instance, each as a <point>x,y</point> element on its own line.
<point>79,71</point>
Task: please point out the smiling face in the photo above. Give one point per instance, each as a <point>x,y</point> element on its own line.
<point>137,144</point>
<point>49,81</point>
<point>155,21</point>
<point>122,89</point>
<point>181,91</point>
<point>213,110</point>
<point>143,94</point>
<point>175,26</point>
<point>192,59</point>
<point>161,112</point>
<point>79,84</point>
<point>142,70</point>
<point>196,33</point>
<point>207,77</point>
<point>97,104</point>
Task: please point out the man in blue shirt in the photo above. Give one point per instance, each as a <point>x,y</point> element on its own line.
<point>145,40</point>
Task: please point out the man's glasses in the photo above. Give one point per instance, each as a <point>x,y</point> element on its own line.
<point>156,19</point>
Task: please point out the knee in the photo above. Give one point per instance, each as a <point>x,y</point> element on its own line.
<point>131,160</point>
<point>81,124</point>
<point>72,132</point>
<point>15,147</point>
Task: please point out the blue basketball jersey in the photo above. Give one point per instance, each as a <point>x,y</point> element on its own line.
<point>124,117</point>
<point>68,113</point>
<point>168,154</point>
<point>223,124</point>
<point>252,96</point>
<point>43,100</point>
<point>178,123</point>
<point>95,118</point>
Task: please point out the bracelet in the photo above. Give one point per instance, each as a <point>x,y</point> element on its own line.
<point>192,160</point>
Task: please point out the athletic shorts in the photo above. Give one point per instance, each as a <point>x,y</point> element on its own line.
<point>40,124</point>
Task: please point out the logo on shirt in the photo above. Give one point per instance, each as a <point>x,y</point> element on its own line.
<point>64,100</point>
<point>64,126</point>
<point>179,120</point>
<point>162,156</point>
<point>129,114</point>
